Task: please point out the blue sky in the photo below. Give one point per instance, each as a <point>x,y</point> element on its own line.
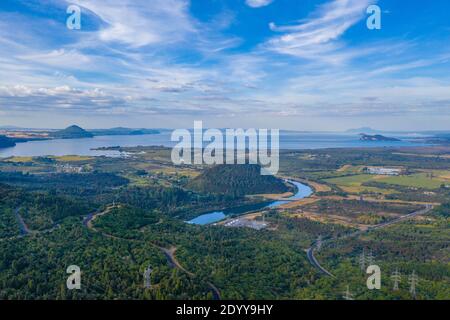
<point>288,64</point>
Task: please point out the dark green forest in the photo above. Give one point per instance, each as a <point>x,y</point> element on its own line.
<point>114,229</point>
<point>236,181</point>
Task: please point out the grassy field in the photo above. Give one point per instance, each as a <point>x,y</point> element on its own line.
<point>353,184</point>
<point>419,180</point>
<point>351,181</point>
<point>73,158</point>
<point>19,159</point>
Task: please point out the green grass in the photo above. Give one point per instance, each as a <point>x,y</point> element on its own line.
<point>419,180</point>
<point>351,181</point>
<point>19,159</point>
<point>73,158</point>
<point>353,184</point>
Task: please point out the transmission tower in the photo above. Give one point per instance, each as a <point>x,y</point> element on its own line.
<point>396,277</point>
<point>319,243</point>
<point>370,258</point>
<point>347,294</point>
<point>147,280</point>
<point>413,282</point>
<point>362,260</point>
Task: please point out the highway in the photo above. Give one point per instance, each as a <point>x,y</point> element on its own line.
<point>315,263</point>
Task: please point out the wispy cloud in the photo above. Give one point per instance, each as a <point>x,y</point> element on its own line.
<point>258,3</point>
<point>141,23</point>
<point>317,37</point>
<point>156,58</point>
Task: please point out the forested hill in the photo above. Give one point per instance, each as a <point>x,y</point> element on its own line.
<point>72,132</point>
<point>236,180</point>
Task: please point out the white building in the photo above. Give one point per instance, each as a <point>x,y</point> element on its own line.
<point>384,171</point>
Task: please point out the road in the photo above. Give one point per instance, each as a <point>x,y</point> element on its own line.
<point>310,252</point>
<point>315,263</point>
<point>169,253</point>
<point>174,263</point>
<point>24,230</point>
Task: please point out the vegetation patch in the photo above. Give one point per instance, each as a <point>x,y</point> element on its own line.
<point>237,180</point>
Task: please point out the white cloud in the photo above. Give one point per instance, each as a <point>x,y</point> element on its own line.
<point>154,58</point>
<point>317,36</point>
<point>141,22</point>
<point>258,3</point>
<point>59,58</point>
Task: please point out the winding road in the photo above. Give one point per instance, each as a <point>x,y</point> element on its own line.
<point>169,253</point>
<point>24,230</point>
<point>312,259</point>
<point>310,251</point>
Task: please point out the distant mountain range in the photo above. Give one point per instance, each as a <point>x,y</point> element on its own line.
<point>366,130</point>
<point>138,131</point>
<point>122,131</point>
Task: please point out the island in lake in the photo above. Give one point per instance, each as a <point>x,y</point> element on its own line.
<point>72,132</point>
<point>6,142</point>
<point>376,137</point>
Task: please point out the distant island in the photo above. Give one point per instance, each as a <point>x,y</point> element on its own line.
<point>122,132</point>
<point>10,135</point>
<point>376,137</point>
<point>6,142</point>
<point>72,132</point>
<point>76,132</point>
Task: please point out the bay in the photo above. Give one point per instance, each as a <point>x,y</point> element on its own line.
<point>84,147</point>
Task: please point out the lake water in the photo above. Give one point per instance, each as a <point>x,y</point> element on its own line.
<point>208,218</point>
<point>303,191</point>
<point>288,140</point>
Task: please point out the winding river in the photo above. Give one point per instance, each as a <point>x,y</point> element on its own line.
<point>303,191</point>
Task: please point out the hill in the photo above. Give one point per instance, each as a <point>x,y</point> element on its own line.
<point>6,142</point>
<point>236,180</point>
<point>72,132</point>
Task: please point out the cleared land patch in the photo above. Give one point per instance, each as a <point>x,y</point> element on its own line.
<point>362,212</point>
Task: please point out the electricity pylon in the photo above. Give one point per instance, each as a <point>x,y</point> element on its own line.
<point>413,281</point>
<point>347,294</point>
<point>147,280</point>
<point>396,277</point>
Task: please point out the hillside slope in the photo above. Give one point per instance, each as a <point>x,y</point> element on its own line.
<point>236,180</point>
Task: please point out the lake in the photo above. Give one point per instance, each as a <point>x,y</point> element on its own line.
<point>303,191</point>
<point>83,147</point>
